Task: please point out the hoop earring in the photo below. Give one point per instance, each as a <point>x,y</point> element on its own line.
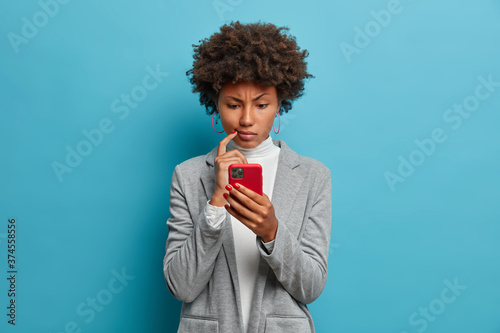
<point>216,111</point>
<point>279,123</point>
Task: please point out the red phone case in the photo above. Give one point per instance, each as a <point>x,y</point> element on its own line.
<point>252,176</point>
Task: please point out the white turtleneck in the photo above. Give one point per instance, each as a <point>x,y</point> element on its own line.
<point>247,254</point>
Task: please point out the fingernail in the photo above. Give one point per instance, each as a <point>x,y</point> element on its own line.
<point>225,195</point>
<point>229,187</point>
<point>237,185</point>
<point>234,132</point>
<point>226,206</point>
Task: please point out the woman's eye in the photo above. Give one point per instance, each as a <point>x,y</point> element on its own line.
<point>262,106</point>
<point>232,106</point>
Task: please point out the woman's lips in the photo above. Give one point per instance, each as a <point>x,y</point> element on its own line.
<point>247,136</point>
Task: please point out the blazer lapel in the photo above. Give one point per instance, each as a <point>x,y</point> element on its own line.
<point>287,182</point>
<point>208,181</point>
<point>286,186</point>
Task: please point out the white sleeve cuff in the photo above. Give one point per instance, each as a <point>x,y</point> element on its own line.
<point>215,215</point>
<point>269,245</point>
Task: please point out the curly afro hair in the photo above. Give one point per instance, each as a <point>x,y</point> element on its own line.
<point>258,52</point>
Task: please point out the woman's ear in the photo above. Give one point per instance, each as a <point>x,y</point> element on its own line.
<point>216,101</point>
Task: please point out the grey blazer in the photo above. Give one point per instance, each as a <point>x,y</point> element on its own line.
<point>200,265</point>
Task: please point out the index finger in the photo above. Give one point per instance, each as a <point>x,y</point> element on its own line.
<point>249,193</point>
<point>222,145</point>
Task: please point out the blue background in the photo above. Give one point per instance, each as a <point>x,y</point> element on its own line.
<point>394,248</point>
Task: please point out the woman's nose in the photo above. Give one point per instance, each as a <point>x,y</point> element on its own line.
<point>247,116</point>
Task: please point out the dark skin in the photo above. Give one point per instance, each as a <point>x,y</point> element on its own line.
<point>248,107</point>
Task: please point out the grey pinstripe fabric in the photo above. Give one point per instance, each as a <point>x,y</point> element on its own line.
<point>200,265</point>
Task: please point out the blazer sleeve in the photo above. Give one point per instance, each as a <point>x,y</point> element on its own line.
<point>300,265</point>
<point>191,248</point>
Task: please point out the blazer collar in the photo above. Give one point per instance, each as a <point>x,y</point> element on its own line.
<point>286,185</point>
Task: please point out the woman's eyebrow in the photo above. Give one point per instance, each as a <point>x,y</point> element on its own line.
<point>256,98</point>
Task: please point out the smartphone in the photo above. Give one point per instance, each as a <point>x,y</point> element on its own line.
<point>248,175</point>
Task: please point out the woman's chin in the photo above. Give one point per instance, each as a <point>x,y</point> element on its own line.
<point>246,143</point>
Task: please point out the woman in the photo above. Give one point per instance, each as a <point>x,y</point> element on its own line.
<point>239,261</point>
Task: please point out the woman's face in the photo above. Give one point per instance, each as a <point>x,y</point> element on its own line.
<point>249,108</point>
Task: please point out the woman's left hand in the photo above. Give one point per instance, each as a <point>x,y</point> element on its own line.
<point>253,210</point>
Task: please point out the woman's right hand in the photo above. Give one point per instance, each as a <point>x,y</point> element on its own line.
<point>222,162</point>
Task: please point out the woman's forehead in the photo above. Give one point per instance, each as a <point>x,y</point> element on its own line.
<point>247,88</point>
